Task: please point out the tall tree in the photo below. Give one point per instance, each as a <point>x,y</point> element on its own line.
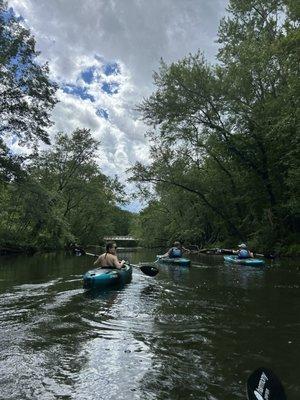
<point>27,95</point>
<point>229,133</point>
<point>85,198</point>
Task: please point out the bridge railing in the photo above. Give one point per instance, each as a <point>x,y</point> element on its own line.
<point>121,238</point>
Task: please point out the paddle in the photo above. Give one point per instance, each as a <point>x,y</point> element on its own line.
<point>263,384</point>
<point>147,269</point>
<point>230,251</point>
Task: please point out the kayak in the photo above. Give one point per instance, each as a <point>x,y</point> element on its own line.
<point>244,261</point>
<point>106,277</point>
<point>183,262</point>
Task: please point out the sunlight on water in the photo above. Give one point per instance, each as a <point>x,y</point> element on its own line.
<point>193,333</point>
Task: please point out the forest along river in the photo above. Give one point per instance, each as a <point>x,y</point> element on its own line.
<point>188,333</point>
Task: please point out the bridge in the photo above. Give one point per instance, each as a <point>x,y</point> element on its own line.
<point>128,242</point>
<point>120,239</point>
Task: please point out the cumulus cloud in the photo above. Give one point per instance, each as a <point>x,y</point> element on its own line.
<point>102,53</point>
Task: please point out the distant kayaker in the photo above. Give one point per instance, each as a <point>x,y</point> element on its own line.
<point>176,251</point>
<point>243,251</point>
<point>77,250</point>
<point>109,259</point>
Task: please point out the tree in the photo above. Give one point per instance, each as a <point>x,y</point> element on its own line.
<point>228,133</point>
<point>84,197</point>
<point>27,95</point>
<point>64,197</point>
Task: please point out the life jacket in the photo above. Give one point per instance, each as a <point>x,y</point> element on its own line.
<point>243,253</point>
<point>175,253</point>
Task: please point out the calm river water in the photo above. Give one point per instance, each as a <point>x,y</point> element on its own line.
<point>188,333</point>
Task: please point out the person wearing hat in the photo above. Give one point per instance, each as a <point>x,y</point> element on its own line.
<point>243,251</point>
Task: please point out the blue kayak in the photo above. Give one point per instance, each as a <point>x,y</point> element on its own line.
<point>183,262</point>
<point>106,277</point>
<point>254,262</point>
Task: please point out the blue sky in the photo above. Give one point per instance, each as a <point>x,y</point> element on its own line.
<point>103,55</point>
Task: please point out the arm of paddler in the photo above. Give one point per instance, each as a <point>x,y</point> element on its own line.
<point>118,264</point>
<point>185,250</point>
<point>97,261</point>
<point>167,254</point>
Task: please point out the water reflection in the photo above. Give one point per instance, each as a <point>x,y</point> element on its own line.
<point>117,351</point>
<point>192,333</point>
<point>176,273</point>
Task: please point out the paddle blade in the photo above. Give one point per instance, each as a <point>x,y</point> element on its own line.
<point>149,270</point>
<point>263,384</point>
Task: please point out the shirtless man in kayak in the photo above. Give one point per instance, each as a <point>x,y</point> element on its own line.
<point>109,258</point>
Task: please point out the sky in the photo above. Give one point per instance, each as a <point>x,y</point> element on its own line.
<point>102,54</point>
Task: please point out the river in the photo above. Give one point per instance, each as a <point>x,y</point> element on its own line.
<point>188,333</point>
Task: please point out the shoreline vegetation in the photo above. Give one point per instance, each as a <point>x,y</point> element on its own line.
<point>225,138</point>
<point>224,147</point>
<point>193,249</point>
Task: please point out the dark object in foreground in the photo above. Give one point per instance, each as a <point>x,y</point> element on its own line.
<point>149,270</point>
<point>263,384</point>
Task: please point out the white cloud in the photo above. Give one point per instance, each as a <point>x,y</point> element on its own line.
<point>74,35</point>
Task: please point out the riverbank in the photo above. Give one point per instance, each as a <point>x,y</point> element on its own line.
<point>292,251</point>
<point>11,250</point>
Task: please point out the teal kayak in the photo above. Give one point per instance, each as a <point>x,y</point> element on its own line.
<point>106,277</point>
<point>244,261</point>
<point>183,262</point>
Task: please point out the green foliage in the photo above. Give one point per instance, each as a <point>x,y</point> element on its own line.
<point>151,225</point>
<point>64,198</point>
<point>54,196</point>
<point>226,152</point>
<point>26,94</point>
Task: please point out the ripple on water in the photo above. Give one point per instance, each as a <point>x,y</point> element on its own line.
<point>195,334</point>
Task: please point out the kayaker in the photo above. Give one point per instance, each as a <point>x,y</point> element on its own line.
<point>243,251</point>
<point>176,251</point>
<point>79,251</point>
<point>109,259</point>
